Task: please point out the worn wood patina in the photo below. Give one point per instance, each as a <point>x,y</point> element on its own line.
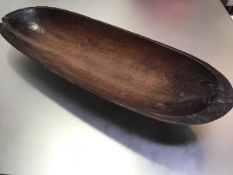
<point>125,68</point>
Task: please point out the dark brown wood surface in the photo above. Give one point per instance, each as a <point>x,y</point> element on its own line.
<point>138,73</point>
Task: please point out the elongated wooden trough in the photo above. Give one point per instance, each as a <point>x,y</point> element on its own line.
<point>130,70</point>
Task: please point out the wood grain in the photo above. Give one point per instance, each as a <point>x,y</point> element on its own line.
<point>122,67</point>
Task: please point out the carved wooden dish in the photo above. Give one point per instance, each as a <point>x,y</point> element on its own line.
<point>133,71</point>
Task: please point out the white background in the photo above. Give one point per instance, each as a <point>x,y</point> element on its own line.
<point>50,127</point>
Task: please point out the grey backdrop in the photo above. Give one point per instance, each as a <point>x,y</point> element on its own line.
<point>50,127</point>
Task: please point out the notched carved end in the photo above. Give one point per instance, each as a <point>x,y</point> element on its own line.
<point>3,23</point>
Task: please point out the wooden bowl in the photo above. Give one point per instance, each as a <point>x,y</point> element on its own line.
<point>125,68</point>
